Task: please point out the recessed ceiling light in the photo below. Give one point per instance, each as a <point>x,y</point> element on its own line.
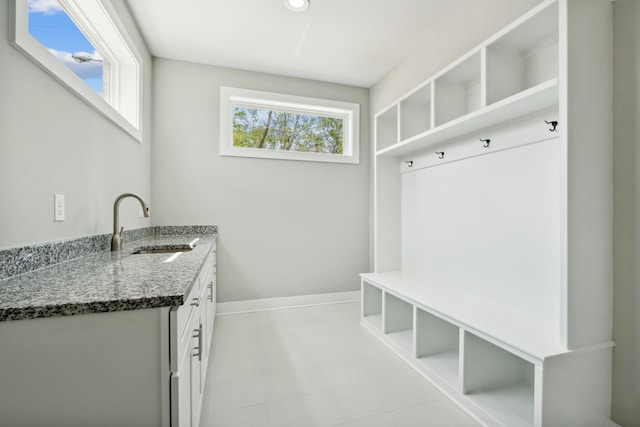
<point>297,5</point>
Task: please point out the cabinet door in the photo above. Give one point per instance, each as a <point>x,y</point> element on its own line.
<point>181,395</point>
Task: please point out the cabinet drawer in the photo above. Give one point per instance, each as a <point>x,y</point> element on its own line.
<point>180,324</point>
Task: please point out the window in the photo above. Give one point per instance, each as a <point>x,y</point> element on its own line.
<point>85,46</point>
<point>54,29</point>
<point>278,126</point>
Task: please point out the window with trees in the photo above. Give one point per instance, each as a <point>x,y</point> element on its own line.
<point>278,126</point>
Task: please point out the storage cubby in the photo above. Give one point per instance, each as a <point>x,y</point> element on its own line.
<point>387,128</point>
<point>457,92</point>
<point>437,346</point>
<point>415,113</point>
<point>372,305</point>
<point>524,57</point>
<point>398,321</point>
<point>499,381</point>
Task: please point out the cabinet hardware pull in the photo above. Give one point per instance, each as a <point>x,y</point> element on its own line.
<point>211,289</point>
<point>198,348</point>
<point>440,154</point>
<point>486,142</point>
<point>553,124</point>
<point>409,162</point>
<point>196,302</point>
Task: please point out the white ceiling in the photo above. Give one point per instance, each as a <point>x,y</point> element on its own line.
<point>354,42</point>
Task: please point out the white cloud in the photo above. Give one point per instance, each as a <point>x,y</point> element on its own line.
<point>47,7</point>
<point>84,70</point>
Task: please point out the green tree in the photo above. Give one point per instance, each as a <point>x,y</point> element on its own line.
<point>279,130</point>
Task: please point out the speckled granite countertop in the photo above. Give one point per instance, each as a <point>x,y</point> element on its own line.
<point>107,281</point>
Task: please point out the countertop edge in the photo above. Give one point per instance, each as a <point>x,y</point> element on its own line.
<point>175,297</point>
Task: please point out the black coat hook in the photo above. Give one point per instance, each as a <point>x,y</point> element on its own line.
<point>409,162</point>
<point>486,142</point>
<point>440,154</point>
<point>553,124</point>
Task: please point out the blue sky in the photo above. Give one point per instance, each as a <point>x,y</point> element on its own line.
<point>51,26</point>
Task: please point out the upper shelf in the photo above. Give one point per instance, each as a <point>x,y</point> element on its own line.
<point>511,74</point>
<point>536,98</point>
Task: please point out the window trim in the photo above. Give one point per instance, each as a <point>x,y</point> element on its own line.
<point>231,96</point>
<point>100,23</point>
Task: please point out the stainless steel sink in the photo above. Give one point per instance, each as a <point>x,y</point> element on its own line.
<point>167,249</point>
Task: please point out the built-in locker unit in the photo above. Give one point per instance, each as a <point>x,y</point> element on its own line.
<point>492,223</point>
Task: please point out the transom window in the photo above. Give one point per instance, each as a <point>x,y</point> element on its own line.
<point>50,24</point>
<point>85,46</point>
<point>278,126</point>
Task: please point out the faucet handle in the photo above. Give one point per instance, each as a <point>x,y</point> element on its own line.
<point>121,230</point>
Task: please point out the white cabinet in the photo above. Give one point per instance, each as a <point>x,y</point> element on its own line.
<point>98,369</point>
<point>191,332</point>
<point>492,222</point>
<point>143,367</point>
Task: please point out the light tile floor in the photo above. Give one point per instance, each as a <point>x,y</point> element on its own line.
<point>314,366</point>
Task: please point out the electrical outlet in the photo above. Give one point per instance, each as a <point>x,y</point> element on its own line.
<point>58,207</point>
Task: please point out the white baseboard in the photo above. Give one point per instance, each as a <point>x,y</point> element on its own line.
<point>248,306</point>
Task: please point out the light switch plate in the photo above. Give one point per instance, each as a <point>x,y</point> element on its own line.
<point>58,207</point>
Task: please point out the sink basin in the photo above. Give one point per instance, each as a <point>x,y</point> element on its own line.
<point>166,249</point>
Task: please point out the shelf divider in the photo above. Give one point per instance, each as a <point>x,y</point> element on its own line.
<point>528,101</point>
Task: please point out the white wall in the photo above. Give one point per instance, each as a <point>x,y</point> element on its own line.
<point>52,142</point>
<point>626,181</point>
<point>286,228</point>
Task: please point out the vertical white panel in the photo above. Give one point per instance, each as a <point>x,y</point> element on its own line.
<point>577,389</point>
<point>386,215</point>
<point>589,171</point>
<point>538,395</point>
<point>487,225</point>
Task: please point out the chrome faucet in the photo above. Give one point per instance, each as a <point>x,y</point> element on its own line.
<point>116,239</point>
